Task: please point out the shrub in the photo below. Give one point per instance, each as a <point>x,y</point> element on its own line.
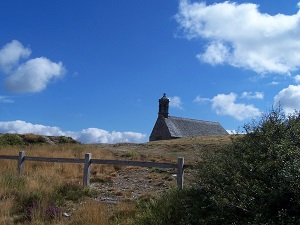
<point>11,139</point>
<point>27,204</point>
<point>47,207</point>
<point>63,139</point>
<point>257,178</point>
<point>31,205</point>
<point>129,154</point>
<point>189,206</point>
<point>254,180</point>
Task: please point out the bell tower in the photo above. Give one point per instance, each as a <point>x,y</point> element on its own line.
<point>164,106</point>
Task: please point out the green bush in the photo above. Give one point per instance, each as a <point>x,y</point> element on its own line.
<point>257,179</point>
<point>11,139</point>
<point>63,139</point>
<point>189,206</point>
<point>254,180</point>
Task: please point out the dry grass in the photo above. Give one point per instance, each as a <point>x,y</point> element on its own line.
<point>44,179</point>
<point>90,213</point>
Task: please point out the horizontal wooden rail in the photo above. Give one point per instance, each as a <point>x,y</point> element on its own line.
<point>134,163</point>
<point>62,160</point>
<point>88,161</point>
<point>96,161</point>
<point>8,157</point>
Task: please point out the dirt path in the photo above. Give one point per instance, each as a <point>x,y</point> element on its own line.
<point>135,182</point>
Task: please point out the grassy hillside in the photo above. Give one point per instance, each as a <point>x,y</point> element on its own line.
<point>47,190</point>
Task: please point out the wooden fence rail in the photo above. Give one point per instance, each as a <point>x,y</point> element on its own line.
<point>88,161</point>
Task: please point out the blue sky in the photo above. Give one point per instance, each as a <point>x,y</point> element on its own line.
<point>95,70</point>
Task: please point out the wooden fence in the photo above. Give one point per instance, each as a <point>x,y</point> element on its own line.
<point>88,161</point>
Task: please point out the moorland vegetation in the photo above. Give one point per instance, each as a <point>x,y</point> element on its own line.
<point>253,178</point>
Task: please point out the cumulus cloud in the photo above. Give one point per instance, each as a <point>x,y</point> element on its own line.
<point>11,53</point>
<point>22,127</point>
<point>252,95</point>
<point>288,99</point>
<point>175,102</point>
<point>241,36</point>
<point>216,53</point>
<point>95,135</point>
<point>297,78</point>
<point>226,105</point>
<point>32,75</point>
<point>90,135</point>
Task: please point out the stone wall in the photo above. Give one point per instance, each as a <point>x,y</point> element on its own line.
<point>160,130</point>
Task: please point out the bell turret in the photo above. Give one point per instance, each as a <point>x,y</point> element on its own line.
<point>164,106</point>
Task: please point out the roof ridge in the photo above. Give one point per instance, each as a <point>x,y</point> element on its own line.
<point>176,117</point>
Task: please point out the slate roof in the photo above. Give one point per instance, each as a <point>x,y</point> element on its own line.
<point>183,127</point>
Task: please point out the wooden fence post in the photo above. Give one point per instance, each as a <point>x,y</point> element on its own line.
<point>87,169</point>
<point>21,161</point>
<point>180,173</point>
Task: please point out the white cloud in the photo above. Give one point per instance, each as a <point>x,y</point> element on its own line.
<point>252,95</point>
<point>232,132</point>
<point>226,105</point>
<point>11,53</point>
<point>241,36</point>
<point>175,102</point>
<point>95,135</point>
<point>297,78</point>
<point>288,99</point>
<point>31,76</point>
<point>216,53</point>
<point>22,127</point>
<point>34,75</point>
<point>90,135</point>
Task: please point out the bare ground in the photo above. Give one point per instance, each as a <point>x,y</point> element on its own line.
<point>130,183</point>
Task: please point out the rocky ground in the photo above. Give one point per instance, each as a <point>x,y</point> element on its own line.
<point>132,183</point>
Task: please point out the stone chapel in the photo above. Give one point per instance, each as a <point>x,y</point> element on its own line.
<point>171,127</point>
